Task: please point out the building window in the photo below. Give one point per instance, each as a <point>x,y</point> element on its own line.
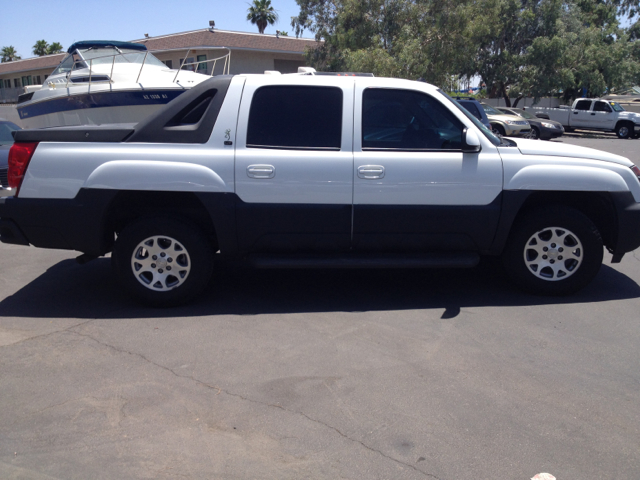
<point>191,60</point>
<point>16,83</point>
<point>202,67</point>
<point>168,63</point>
<point>26,80</point>
<point>36,80</point>
<point>294,117</point>
<point>7,84</point>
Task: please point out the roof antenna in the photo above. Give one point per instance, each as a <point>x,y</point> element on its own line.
<point>212,25</point>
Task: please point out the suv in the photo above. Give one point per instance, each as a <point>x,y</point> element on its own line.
<point>502,124</point>
<point>475,108</point>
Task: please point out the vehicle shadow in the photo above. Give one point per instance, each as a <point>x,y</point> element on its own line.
<point>69,290</point>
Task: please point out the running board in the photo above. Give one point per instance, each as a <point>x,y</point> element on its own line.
<point>352,260</point>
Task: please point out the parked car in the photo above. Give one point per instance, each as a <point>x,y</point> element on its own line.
<point>6,140</point>
<point>506,125</point>
<point>475,108</point>
<point>540,128</point>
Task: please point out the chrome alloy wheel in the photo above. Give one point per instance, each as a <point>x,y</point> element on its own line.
<point>160,263</point>
<point>553,254</point>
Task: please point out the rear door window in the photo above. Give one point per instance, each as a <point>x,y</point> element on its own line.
<point>583,105</point>
<point>295,117</point>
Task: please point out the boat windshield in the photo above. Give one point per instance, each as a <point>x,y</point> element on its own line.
<point>97,56</point>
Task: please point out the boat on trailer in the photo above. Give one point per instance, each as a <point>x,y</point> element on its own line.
<point>101,82</point>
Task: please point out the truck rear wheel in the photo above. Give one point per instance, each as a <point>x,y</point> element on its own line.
<point>624,130</point>
<point>553,251</point>
<point>162,261</point>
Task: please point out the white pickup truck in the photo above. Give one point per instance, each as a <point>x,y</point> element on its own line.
<point>317,171</point>
<point>594,114</point>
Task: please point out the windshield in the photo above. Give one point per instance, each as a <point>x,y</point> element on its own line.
<point>96,56</point>
<point>486,132</point>
<point>124,55</point>
<point>524,114</point>
<point>5,132</point>
<point>616,107</point>
<point>489,110</point>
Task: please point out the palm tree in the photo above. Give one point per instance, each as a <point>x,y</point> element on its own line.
<point>55,47</point>
<point>9,54</point>
<point>261,13</point>
<point>40,48</point>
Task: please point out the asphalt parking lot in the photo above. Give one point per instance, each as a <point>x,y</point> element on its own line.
<point>372,374</point>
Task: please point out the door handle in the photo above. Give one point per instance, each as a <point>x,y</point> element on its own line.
<point>593,113</point>
<point>261,171</point>
<point>370,172</point>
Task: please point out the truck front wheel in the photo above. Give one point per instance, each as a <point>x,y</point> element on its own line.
<point>553,251</point>
<point>162,261</point>
<point>624,130</point>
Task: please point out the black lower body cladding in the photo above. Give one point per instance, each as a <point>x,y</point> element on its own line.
<point>85,223</point>
<point>76,224</point>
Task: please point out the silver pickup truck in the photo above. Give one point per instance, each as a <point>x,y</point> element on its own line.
<point>317,171</point>
<point>594,114</point>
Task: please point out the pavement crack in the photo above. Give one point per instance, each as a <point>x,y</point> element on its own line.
<point>44,335</point>
<point>247,399</point>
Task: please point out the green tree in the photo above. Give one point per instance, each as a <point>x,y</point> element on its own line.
<point>516,47</point>
<point>261,13</point>
<point>399,38</point>
<point>9,54</point>
<point>55,47</point>
<point>40,48</point>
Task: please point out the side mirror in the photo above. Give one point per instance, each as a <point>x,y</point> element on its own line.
<point>470,141</point>
<point>543,115</point>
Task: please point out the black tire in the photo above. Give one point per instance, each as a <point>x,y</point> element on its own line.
<point>573,258</point>
<point>535,133</point>
<point>181,269</point>
<point>497,129</point>
<point>624,130</point>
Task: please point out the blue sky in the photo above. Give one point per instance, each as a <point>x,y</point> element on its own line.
<point>23,23</point>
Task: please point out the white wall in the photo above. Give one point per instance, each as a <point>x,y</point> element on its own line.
<point>525,102</point>
<point>242,61</point>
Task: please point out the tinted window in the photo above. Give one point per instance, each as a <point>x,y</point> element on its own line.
<point>473,109</point>
<point>601,107</point>
<point>404,119</point>
<point>6,138</point>
<point>295,117</point>
<point>583,105</point>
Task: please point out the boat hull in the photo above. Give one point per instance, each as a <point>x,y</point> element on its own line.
<point>94,108</point>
